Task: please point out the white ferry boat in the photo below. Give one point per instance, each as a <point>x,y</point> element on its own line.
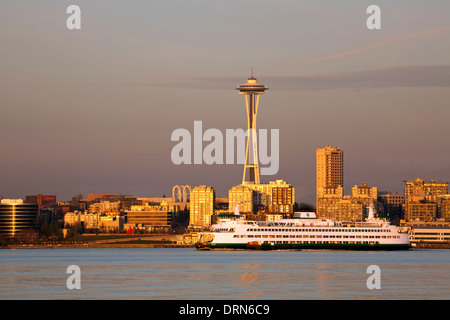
<point>304,232</point>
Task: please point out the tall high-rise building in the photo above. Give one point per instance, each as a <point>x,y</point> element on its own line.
<point>202,206</point>
<point>251,90</point>
<point>330,200</point>
<point>329,169</point>
<point>282,197</point>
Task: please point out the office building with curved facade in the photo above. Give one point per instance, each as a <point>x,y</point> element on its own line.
<point>17,217</point>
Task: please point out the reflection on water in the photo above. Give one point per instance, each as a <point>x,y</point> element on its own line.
<point>190,274</point>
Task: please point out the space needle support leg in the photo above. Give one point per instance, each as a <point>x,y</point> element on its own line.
<point>255,140</point>
<point>248,139</point>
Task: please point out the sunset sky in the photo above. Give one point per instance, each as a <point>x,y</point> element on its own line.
<point>92,110</point>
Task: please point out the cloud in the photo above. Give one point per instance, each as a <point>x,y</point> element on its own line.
<point>417,35</point>
<point>404,76</point>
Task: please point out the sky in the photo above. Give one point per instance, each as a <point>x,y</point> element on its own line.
<point>93,110</point>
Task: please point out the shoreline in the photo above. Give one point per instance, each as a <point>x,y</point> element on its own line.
<point>96,246</point>
<point>141,245</point>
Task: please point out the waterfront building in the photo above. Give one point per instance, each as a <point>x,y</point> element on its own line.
<point>221,205</point>
<point>202,200</point>
<point>421,190</point>
<point>102,196</point>
<point>44,201</point>
<point>332,204</point>
<point>110,223</point>
<point>88,220</point>
<point>345,209</point>
<point>276,196</point>
<point>420,211</point>
<point>126,201</point>
<point>17,217</point>
<point>331,192</point>
<point>274,216</point>
<point>245,198</point>
<point>444,207</point>
<point>422,199</point>
<point>392,204</point>
<point>435,234</point>
<point>109,208</point>
<point>366,195</point>
<point>152,216</point>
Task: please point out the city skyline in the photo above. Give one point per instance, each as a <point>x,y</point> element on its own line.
<point>91,111</point>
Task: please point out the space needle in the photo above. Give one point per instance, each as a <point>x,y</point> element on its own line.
<point>252,89</point>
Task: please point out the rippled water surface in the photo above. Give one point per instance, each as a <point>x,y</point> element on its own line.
<point>190,274</point>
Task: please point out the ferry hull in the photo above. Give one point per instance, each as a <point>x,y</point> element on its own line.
<point>287,246</point>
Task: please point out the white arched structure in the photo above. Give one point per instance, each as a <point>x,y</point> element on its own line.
<point>180,193</point>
